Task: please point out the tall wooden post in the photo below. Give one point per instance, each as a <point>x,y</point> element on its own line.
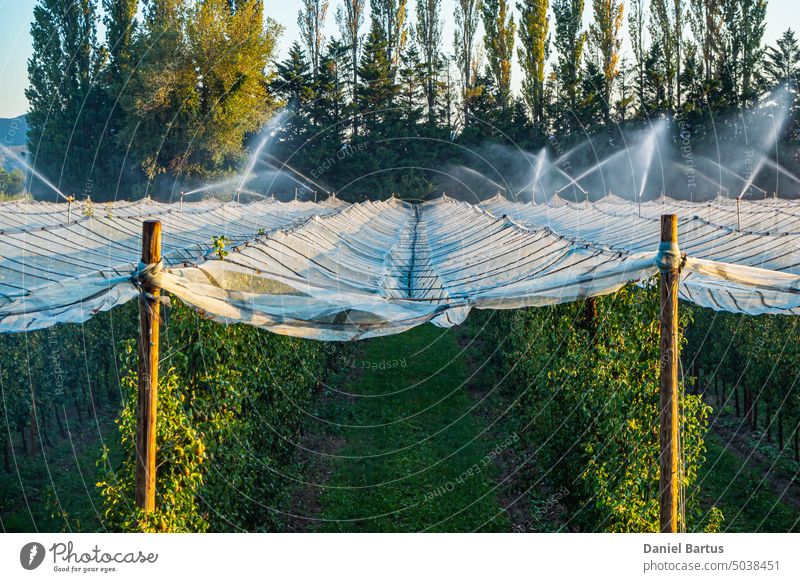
<point>669,265</point>
<point>34,421</point>
<point>148,373</point>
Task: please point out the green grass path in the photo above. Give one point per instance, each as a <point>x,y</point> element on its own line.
<point>56,491</point>
<point>746,500</point>
<point>414,456</point>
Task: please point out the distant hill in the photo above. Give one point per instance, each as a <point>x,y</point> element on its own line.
<point>12,131</point>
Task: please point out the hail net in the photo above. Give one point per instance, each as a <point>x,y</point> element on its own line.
<point>338,271</point>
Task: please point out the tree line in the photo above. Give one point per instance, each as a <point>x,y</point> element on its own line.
<point>177,94</point>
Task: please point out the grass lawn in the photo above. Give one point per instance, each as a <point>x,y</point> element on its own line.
<point>414,454</point>
<point>55,491</point>
<point>746,500</point>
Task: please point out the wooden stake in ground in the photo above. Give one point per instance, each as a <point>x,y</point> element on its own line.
<point>148,373</point>
<point>669,265</point>
<point>34,421</point>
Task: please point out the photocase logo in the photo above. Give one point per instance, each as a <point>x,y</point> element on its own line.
<point>31,555</point>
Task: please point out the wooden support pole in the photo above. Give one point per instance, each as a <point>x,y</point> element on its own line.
<point>147,397</point>
<point>669,266</point>
<point>34,421</point>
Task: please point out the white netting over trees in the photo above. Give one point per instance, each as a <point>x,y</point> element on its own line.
<point>338,271</point>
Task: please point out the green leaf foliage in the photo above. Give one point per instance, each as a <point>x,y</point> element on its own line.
<point>588,396</point>
<point>231,408</point>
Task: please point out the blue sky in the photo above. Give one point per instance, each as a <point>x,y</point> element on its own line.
<point>15,42</point>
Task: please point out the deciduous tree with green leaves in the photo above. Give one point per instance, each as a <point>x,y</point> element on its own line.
<point>587,394</point>
<point>467,54</point>
<point>534,36</point>
<point>429,39</point>
<point>570,41</point>
<point>499,36</point>
<point>605,37</point>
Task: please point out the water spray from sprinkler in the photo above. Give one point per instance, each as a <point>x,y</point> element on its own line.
<point>236,179</point>
<point>591,170</point>
<point>732,173</point>
<point>33,172</point>
<point>270,131</point>
<point>296,172</point>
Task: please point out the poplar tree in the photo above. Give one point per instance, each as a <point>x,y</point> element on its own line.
<point>605,36</point>
<point>662,27</point>
<point>534,26</point>
<point>199,86</point>
<point>570,42</point>
<point>636,29</point>
<point>752,22</point>
<point>677,15</point>
<point>624,104</point>
<point>350,17</point>
<point>467,19</point>
<point>311,21</point>
<point>429,37</point>
<point>499,35</point>
<point>705,22</point>
<point>449,91</point>
<point>391,16</point>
